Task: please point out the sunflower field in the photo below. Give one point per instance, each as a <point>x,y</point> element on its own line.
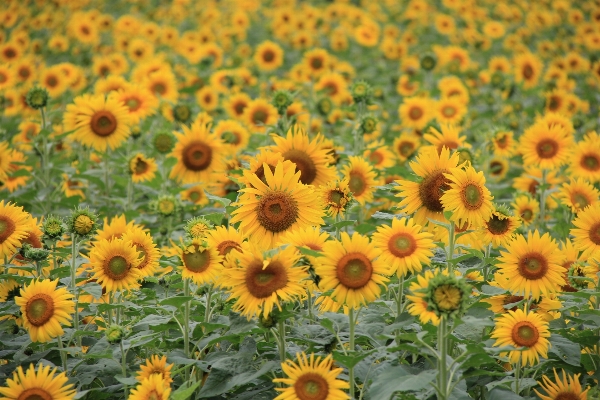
<point>299,200</point>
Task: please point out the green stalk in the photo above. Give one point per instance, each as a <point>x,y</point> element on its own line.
<point>399,307</point>
<point>208,304</point>
<point>186,325</point>
<point>281,337</point>
<point>351,348</point>
<point>74,251</point>
<point>129,194</point>
<point>542,216</point>
<point>443,384</point>
<point>124,367</point>
<point>451,239</point>
<point>517,376</point>
<point>63,355</point>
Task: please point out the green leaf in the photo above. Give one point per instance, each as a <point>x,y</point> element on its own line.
<point>184,392</point>
<point>384,215</point>
<point>498,393</point>
<point>364,229</point>
<point>175,301</point>
<point>565,349</point>
<point>352,358</point>
<point>399,378</point>
<point>94,289</point>
<point>130,381</point>
<point>342,224</point>
<point>215,218</point>
<point>218,199</point>
<point>310,252</point>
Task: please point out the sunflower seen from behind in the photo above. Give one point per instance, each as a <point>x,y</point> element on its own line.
<point>38,383</point>
<point>266,210</point>
<point>45,308</point>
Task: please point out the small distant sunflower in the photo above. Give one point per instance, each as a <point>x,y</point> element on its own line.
<point>449,137</point>
<point>527,69</point>
<point>449,111</point>
<point>14,228</point>
<point>143,243</point>
<point>362,179</point>
<point>545,147</point>
<point>98,122</point>
<point>259,114</point>
<point>526,331</point>
<point>584,161</point>
<point>224,239</point>
<point>336,196</point>
<point>42,383</point>
<point>567,388</point>
<point>415,112</point>
<point>266,211</point>
<point>162,84</point>
<point>45,308</point>
<point>258,282</point>
<point>586,235</point>
<point>114,264</point>
<point>405,146</point>
<point>233,134</point>
<point>352,269</point>
<point>316,61</point>
<point>526,208</point>
<point>311,379</point>
<point>200,263</point>
<point>500,227</point>
<point>530,266</point>
<point>403,245</point>
<point>379,155</point>
<point>504,144</point>
<point>236,104</point>
<point>196,195</point>
<point>155,365</point>
<point>199,154</point>
<point>141,168</point>
<point>334,86</point>
<point>424,198</point>
<point>467,197</point>
<point>153,387</point>
<point>268,56</point>
<point>207,98</point>
<point>578,194</point>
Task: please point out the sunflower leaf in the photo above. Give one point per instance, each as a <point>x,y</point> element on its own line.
<point>566,350</point>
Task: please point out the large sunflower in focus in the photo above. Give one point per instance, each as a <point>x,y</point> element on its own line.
<point>266,211</point>
<point>45,309</point>
<point>199,154</point>
<point>114,263</point>
<point>97,121</point>
<point>14,228</point>
<point>352,269</point>
<point>42,383</point>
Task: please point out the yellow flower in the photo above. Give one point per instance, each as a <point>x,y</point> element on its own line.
<point>42,383</point>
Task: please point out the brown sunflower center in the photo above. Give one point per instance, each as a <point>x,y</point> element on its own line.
<point>496,168</point>
<point>268,56</point>
<point>196,156</point>
<point>133,103</point>
<point>357,183</point>
<point>277,211</point>
<point>354,270</point>
<point>590,162</point>
<point>259,116</point>
<point>554,103</point>
<point>198,261</point>
<point>262,283</point>
<point>260,172</point>
<point>431,190</point>
<point>31,239</point>
<point>7,227</point>
<point>304,164</point>
<point>39,309</point>
<point>103,123</point>
<point>239,107</point>
<point>143,255</point>
<point>449,111</point>
<point>472,196</point>
<point>51,81</point>
<point>447,297</point>
<point>406,149</point>
<point>524,333</point>
<point>226,246</point>
<point>336,197</point>
<point>580,200</point>
<point>533,266</point>
<point>311,386</point>
<point>595,233</point>
<point>511,300</point>
<point>566,396</point>
<point>159,88</point>
<point>498,226</point>
<point>117,268</point>
<point>24,72</point>
<point>35,394</point>
<point>527,214</point>
<point>415,113</point>
<point>547,148</point>
<point>316,63</point>
<point>528,71</point>
<point>376,157</point>
<point>402,244</point>
<point>141,166</point>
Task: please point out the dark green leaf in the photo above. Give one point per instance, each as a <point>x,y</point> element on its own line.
<point>399,379</point>
<point>565,349</point>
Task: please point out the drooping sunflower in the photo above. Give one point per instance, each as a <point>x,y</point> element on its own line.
<point>467,197</point>
<point>155,365</point>
<point>14,228</point>
<point>143,243</point>
<point>586,235</point>
<point>98,122</point>
<point>311,157</point>
<point>352,269</point>
<point>45,308</point>
<point>267,210</point>
<point>200,263</point>
<point>336,196</point>
<point>260,281</point>
<point>500,227</point>
<point>584,161</point>
<point>566,388</point>
<point>114,264</point>
<point>199,154</point>
<point>578,194</point>
<point>448,137</point>
<point>415,112</point>
<point>546,147</point>
<point>526,331</point>
<point>43,383</point>
<point>530,266</point>
<point>362,179</point>
<point>224,239</point>
<point>311,378</point>
<point>403,246</point>
<point>141,168</point>
<point>424,198</point>
<point>268,56</point>
<point>153,387</point>
<point>259,114</point>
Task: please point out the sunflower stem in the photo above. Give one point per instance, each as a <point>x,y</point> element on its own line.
<point>186,324</point>
<point>442,364</point>
<point>281,337</point>
<point>106,178</point>
<point>517,376</point>
<point>542,216</point>
<point>208,303</point>
<point>63,355</point>
<point>44,153</point>
<point>124,367</point>
<point>451,238</point>
<point>74,251</point>
<point>352,323</point>
<point>399,307</point>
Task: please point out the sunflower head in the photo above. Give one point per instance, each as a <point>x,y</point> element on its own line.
<point>361,92</point>
<point>197,227</point>
<point>37,97</point>
<point>53,227</point>
<point>282,99</point>
<point>447,296</point>
<point>368,124</point>
<point>165,205</point>
<point>82,222</point>
<point>163,142</point>
<point>182,113</point>
<point>114,334</point>
<point>428,62</point>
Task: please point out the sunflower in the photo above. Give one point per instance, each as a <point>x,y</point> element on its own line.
<point>224,239</point>
<point>236,104</point>
<point>42,383</point>
<point>195,194</point>
<point>567,388</point>
<point>199,154</point>
<point>267,210</point>
<point>499,228</point>
<point>45,309</point>
<point>578,194</point>
<point>200,263</point>
<point>403,246</point>
<point>526,331</point>
<point>142,169</point>
<point>526,208</point>
<point>114,264</point>
<point>527,69</point>
<point>155,365</point>
<point>33,239</point>
<point>311,157</point>
<point>311,379</point>
<point>584,161</point>
<point>139,101</point>
<point>116,228</point>
<point>530,267</point>
<point>268,56</point>
<point>362,179</point>
<point>531,178</point>
<point>233,134</point>
<point>415,112</point>
<point>162,84</point>
<point>334,87</point>
<point>143,243</point>
<point>336,197</point>
<point>504,144</point>
<point>352,269</point>
<point>153,387</point>
<point>418,304</point>
<point>423,198</point>
<point>260,281</point>
<point>545,147</point>
<point>97,121</point>
<point>207,98</point>
<point>14,228</point>
<point>405,146</point>
<point>407,87</point>
<point>449,137</point>
<point>316,61</point>
<point>259,114</point>
<point>379,155</point>
<point>586,235</point>
<point>449,111</point>
<point>467,197</point>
